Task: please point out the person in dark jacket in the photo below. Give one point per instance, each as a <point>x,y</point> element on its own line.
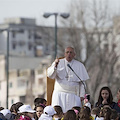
<point>117,105</point>
<point>12,115</point>
<point>2,117</point>
<point>105,98</point>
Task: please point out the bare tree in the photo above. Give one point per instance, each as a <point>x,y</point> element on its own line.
<point>90,32</point>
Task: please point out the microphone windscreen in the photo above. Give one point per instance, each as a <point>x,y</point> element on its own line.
<point>68,65</point>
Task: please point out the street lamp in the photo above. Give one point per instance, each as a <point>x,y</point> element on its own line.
<point>7,63</point>
<point>7,66</point>
<point>63,15</point>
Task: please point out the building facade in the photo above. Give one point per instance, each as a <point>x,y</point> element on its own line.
<point>27,80</point>
<point>30,53</point>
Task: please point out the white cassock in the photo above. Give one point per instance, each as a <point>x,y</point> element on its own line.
<point>68,87</point>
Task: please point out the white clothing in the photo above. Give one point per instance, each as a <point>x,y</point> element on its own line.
<point>88,104</point>
<point>99,118</point>
<point>45,117</point>
<point>68,87</point>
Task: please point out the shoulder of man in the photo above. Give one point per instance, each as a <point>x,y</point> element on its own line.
<point>79,62</point>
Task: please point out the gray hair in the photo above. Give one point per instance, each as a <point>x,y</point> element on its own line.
<point>70,47</point>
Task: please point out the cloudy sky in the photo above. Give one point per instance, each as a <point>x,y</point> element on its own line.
<point>36,8</point>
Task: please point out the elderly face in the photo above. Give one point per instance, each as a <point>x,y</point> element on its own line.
<point>69,54</point>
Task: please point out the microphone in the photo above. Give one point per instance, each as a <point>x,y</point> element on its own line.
<point>77,76</point>
<point>70,67</point>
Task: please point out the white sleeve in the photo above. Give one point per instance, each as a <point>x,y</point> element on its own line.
<point>51,71</point>
<point>82,89</point>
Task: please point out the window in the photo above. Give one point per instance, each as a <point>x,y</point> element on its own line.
<point>21,31</point>
<point>13,34</point>
<point>22,99</point>
<point>12,101</point>
<point>29,45</point>
<point>10,85</point>
<point>21,83</point>
<point>14,44</point>
<point>29,34</point>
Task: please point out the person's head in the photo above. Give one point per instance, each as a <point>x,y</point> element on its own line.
<point>5,111</point>
<point>85,113</point>
<point>13,109</point>
<point>76,110</point>
<point>118,94</point>
<point>39,110</point>
<point>114,114</point>
<point>69,53</point>
<point>18,104</point>
<point>49,110</point>
<point>38,101</point>
<point>105,93</point>
<point>1,108</point>
<point>70,115</point>
<point>27,110</point>
<point>105,112</point>
<point>95,112</point>
<point>59,111</point>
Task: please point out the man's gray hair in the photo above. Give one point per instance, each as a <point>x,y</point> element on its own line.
<point>70,47</point>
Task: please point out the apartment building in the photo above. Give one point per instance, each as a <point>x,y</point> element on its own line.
<point>27,79</point>
<point>30,53</point>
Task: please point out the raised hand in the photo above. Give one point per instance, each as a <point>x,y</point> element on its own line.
<point>56,62</point>
<point>104,101</point>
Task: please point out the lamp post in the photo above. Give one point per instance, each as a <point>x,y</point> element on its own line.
<point>7,64</point>
<point>7,69</point>
<point>63,15</point>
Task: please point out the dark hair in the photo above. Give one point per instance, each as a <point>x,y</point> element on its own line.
<point>13,108</point>
<point>1,108</point>
<point>18,104</point>
<point>38,101</point>
<point>114,114</point>
<point>39,105</point>
<point>110,98</point>
<point>95,111</point>
<point>105,112</point>
<point>77,111</point>
<point>76,108</point>
<point>85,113</point>
<point>69,115</point>
<point>58,110</point>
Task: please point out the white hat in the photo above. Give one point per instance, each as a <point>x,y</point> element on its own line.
<point>45,117</point>
<point>5,111</point>
<point>26,108</point>
<point>49,110</point>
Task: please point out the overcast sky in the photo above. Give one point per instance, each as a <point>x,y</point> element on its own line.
<point>36,8</point>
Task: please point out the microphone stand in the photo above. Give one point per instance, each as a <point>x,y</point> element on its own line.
<point>77,76</point>
<point>80,80</point>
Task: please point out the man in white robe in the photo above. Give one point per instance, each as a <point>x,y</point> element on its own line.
<point>68,89</point>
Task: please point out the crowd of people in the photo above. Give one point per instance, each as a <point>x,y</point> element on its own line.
<point>104,109</point>
<point>69,101</point>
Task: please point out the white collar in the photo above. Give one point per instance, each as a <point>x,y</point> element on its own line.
<point>69,62</point>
